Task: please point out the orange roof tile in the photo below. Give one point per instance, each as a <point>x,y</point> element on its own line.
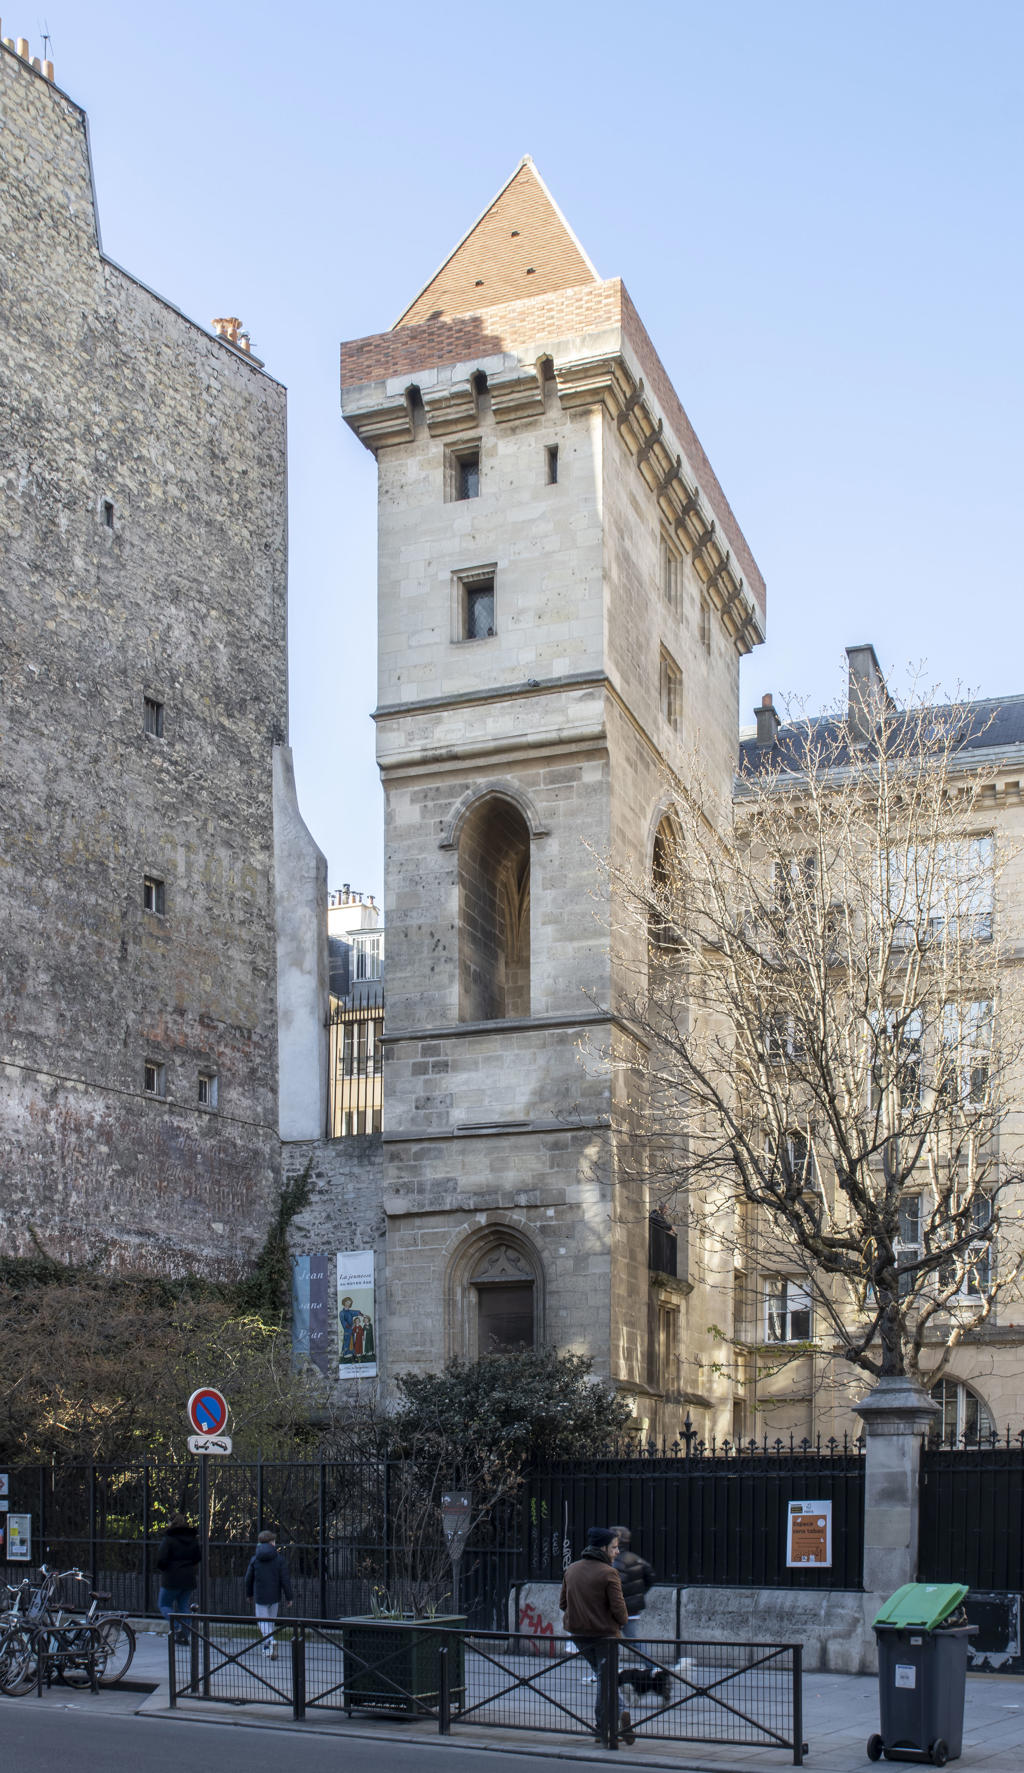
<point>521,246</point>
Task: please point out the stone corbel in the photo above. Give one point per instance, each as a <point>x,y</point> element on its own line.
<point>597,380</point>
<point>516,395</point>
<point>379,426</point>
<point>452,408</point>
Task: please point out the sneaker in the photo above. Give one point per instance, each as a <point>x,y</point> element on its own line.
<point>273,1652</point>
<point>626,1730</point>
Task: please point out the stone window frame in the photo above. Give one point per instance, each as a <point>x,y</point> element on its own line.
<point>154,1079</point>
<point>208,1098</point>
<point>465,581</point>
<point>153,710</point>
<point>466,1260</point>
<point>457,458</point>
<point>154,895</point>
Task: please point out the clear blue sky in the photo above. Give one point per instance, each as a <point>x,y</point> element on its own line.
<point>816,208</point>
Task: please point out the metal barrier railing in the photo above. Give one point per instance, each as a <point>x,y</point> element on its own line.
<point>746,1695</point>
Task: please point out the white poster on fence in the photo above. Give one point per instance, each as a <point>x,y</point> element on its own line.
<point>357,1357</point>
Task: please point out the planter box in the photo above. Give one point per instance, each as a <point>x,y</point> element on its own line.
<point>397,1666</point>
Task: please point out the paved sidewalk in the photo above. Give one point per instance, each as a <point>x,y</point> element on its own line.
<point>840,1713</point>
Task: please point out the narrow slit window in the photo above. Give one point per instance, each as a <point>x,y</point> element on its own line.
<point>551,454</point>
<point>705,624</point>
<point>107,510</point>
<point>153,895</point>
<point>671,691</point>
<point>152,717</point>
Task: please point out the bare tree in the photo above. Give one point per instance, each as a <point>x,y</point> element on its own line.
<point>829,1032</point>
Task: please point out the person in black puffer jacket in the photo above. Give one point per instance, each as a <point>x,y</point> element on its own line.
<point>266,1583</point>
<point>636,1576</point>
<point>176,1560</point>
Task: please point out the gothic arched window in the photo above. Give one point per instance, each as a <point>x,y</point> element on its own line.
<point>495,1301</point>
<point>494,913</point>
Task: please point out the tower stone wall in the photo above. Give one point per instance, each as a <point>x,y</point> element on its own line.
<point>143,689</point>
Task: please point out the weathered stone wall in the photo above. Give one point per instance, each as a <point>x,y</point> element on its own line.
<point>144,555</point>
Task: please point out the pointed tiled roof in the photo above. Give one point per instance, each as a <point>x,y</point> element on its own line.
<point>521,246</point>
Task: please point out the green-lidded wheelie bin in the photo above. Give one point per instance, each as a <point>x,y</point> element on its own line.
<point>922,1673</point>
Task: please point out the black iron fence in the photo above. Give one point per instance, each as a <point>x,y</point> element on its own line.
<point>749,1695</point>
<point>972,1512</point>
<point>703,1513</point>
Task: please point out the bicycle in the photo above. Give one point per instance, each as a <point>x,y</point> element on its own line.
<point>110,1633</point>
<point>17,1647</point>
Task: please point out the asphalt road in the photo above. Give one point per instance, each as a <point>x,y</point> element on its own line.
<point>68,1739</point>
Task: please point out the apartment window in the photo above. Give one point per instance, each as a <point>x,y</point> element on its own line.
<point>704,624</point>
<point>671,691</point>
<point>940,889</point>
<point>796,1157</point>
<point>783,1038</point>
<point>366,953</point>
<point>154,1078</point>
<point>965,1416</point>
<point>965,1052</point>
<point>463,476</point>
<point>208,1089</point>
<point>551,458</point>
<point>107,513</point>
<point>671,574</point>
<point>153,897</point>
<point>152,717</point>
<point>476,606</point>
<point>787,1311</point>
<point>909,1245</point>
<point>897,1059</point>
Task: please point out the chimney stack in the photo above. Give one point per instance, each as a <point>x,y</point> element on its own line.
<point>868,698</point>
<point>767,722</point>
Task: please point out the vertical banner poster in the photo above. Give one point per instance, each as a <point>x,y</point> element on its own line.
<point>356,1316</point>
<point>311,1311</point>
<point>19,1538</point>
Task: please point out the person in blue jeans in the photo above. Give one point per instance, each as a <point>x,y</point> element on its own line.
<point>177,1561</point>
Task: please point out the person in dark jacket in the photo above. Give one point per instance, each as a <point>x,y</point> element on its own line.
<point>266,1583</point>
<point>591,1600</point>
<point>636,1576</point>
<point>177,1560</point>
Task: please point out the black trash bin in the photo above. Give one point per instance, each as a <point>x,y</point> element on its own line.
<point>922,1674</point>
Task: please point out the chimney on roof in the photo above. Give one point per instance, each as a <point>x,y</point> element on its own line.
<point>228,328</point>
<point>868,696</point>
<point>767,722</point>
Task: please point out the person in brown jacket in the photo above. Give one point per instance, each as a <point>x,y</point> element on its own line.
<point>591,1600</point>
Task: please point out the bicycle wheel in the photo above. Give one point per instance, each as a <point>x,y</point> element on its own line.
<point>17,1661</point>
<point>74,1649</point>
<point>118,1642</point>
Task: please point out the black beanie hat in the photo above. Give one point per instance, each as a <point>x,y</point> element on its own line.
<point>600,1536</point>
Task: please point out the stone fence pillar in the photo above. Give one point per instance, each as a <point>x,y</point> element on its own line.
<point>897,1415</point>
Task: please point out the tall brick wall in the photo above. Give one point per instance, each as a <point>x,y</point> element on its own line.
<point>109,396</point>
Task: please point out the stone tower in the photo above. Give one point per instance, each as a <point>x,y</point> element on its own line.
<point>564,595</point>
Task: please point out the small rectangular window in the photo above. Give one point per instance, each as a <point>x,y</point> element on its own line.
<point>154,1078</point>
<point>208,1091</point>
<point>462,476</point>
<point>476,606</point>
<point>153,897</point>
<point>551,454</point>
<point>152,717</point>
<point>671,691</point>
<point>671,574</point>
<point>107,509</point>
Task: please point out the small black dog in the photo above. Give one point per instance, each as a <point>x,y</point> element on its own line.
<point>646,1680</point>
